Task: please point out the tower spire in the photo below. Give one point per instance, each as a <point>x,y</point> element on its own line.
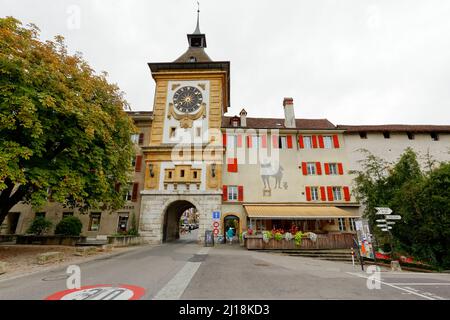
<point>197,29</point>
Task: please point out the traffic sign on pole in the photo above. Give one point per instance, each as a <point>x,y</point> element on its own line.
<point>381,220</point>
<point>381,225</point>
<point>384,229</point>
<point>383,210</point>
<point>395,217</point>
<point>390,222</point>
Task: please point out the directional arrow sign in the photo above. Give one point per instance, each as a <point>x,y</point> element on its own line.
<point>390,228</point>
<point>381,220</point>
<point>381,225</point>
<point>395,217</point>
<point>383,210</point>
<point>390,222</point>
<point>384,229</point>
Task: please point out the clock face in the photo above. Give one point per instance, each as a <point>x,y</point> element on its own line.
<point>187,99</point>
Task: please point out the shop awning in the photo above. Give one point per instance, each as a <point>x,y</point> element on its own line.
<point>292,212</point>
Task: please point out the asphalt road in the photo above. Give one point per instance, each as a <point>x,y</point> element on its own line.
<point>184,270</point>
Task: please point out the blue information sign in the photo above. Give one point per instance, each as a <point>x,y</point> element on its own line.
<point>216,215</point>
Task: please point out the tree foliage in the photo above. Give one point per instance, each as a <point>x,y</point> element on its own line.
<point>63,130</point>
<point>69,226</point>
<point>422,198</point>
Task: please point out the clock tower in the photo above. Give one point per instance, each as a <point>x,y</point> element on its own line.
<point>183,158</point>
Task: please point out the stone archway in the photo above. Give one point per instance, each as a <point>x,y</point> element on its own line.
<point>172,215</point>
<point>155,205</point>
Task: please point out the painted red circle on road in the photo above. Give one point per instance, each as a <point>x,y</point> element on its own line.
<point>216,224</point>
<point>132,292</point>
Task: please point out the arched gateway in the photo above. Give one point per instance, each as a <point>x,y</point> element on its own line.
<point>161,212</point>
<point>171,221</point>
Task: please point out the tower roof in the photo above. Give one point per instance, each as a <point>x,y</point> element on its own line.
<point>197,44</point>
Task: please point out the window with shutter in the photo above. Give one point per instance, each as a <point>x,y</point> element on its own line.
<point>134,196</point>
<point>318,168</point>
<point>308,193</point>
<point>141,138</point>
<point>138,164</point>
<point>289,141</point>
<point>300,142</point>
<point>240,193</point>
<point>330,193</point>
<point>225,193</point>
<point>336,141</point>
<point>323,195</point>
<point>321,145</point>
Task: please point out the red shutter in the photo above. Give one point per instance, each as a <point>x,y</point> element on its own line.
<point>225,193</point>
<point>239,140</point>
<point>321,144</point>
<point>327,168</point>
<point>314,142</point>
<point>318,168</point>
<point>232,165</point>
<point>300,142</point>
<point>330,193</point>
<point>240,193</point>
<point>340,169</point>
<point>134,195</point>
<point>336,141</point>
<point>346,194</point>
<point>249,142</point>
<point>308,193</point>
<point>264,141</point>
<point>141,138</point>
<point>138,164</point>
<point>323,195</point>
<point>289,141</point>
<point>275,141</point>
<point>224,139</point>
<point>304,169</point>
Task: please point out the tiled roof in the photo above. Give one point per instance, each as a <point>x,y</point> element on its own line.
<point>395,128</point>
<point>274,123</point>
<point>198,53</point>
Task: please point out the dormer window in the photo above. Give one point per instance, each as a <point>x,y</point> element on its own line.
<point>192,59</point>
<point>434,136</point>
<point>386,134</point>
<point>235,122</point>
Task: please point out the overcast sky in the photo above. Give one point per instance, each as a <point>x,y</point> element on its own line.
<point>351,61</point>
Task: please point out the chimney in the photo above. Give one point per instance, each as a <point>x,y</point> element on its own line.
<point>243,115</point>
<point>289,116</point>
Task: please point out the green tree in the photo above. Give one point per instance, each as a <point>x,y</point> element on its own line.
<point>422,199</point>
<point>63,130</point>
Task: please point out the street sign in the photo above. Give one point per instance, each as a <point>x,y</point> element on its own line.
<point>395,217</point>
<point>216,215</point>
<point>390,222</point>
<point>381,220</point>
<point>383,210</point>
<point>381,225</point>
<point>390,228</point>
<point>384,229</point>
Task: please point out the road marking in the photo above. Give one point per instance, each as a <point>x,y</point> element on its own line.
<point>420,284</point>
<point>393,286</point>
<point>176,286</point>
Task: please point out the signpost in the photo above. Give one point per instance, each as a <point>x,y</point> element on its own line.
<point>383,211</point>
<point>387,223</point>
